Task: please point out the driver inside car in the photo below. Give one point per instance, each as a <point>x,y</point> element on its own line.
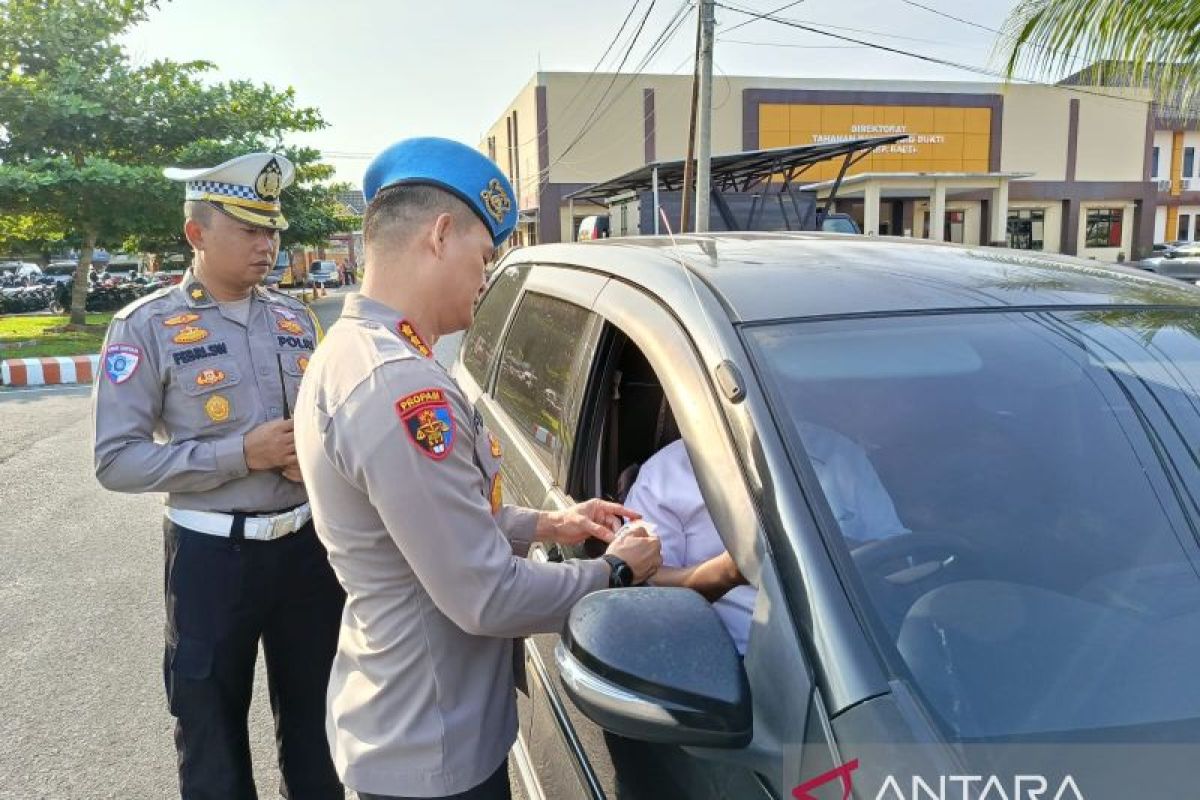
<point>668,497</point>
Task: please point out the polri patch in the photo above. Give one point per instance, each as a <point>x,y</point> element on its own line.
<point>430,424</point>
<point>121,361</point>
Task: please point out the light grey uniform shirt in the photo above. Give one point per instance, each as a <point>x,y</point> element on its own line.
<point>404,483</point>
<point>182,382</point>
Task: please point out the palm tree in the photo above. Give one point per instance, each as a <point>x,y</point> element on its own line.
<point>1148,43</point>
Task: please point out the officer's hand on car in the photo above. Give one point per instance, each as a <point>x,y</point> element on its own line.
<point>271,446</point>
<point>593,518</point>
<point>640,549</point>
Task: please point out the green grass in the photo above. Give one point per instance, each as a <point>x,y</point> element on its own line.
<point>30,337</point>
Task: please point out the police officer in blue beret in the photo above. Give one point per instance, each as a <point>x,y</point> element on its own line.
<point>404,481</point>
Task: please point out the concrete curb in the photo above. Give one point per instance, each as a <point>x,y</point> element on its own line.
<point>49,371</point>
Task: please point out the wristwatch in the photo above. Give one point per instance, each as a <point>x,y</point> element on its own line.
<point>621,574</point>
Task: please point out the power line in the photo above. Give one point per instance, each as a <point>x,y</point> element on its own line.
<point>795,46</point>
<point>660,42</point>
<point>940,13</point>
<point>931,59</point>
<point>628,51</point>
<point>752,21</point>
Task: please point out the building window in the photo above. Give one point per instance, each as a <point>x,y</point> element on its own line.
<point>1104,227</point>
<point>1154,163</point>
<point>1189,162</point>
<point>1027,229</point>
<point>1185,226</point>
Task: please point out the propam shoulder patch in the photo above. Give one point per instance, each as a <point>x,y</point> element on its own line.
<point>427,418</point>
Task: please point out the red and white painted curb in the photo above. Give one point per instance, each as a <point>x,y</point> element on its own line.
<point>49,371</point>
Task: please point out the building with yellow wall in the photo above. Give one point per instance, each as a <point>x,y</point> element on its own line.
<point>1052,168</point>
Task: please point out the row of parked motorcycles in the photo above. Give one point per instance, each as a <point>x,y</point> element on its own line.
<point>105,293</point>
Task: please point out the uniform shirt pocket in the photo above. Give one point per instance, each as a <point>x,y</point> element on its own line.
<point>207,387</point>
<point>293,364</point>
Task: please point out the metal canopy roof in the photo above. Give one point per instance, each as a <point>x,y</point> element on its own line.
<point>736,171</point>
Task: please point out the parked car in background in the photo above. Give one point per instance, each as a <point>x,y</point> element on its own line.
<point>124,266</point>
<point>281,274</point>
<point>839,223</point>
<point>324,274</point>
<point>1179,260</point>
<point>22,272</point>
<point>594,227</point>
<point>61,271</point>
<point>1031,421</point>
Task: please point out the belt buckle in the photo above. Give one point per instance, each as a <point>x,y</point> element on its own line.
<point>279,523</point>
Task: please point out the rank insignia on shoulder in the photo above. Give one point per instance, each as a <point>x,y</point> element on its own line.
<point>180,319</point>
<point>495,443</point>
<point>430,424</point>
<point>190,335</point>
<point>217,408</point>
<point>410,333</point>
<point>209,377</point>
<point>120,362</point>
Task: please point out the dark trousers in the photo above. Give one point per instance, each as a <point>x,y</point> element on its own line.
<point>223,595</point>
<point>494,788</point>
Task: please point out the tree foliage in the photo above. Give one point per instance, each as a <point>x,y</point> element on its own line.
<point>1149,43</point>
<point>85,132</point>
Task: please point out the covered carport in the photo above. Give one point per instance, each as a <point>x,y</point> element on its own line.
<point>916,198</point>
<point>753,190</point>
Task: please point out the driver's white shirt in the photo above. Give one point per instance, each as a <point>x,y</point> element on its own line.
<point>667,494</point>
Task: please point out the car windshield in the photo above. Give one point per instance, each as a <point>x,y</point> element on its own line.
<point>1019,495</point>
<point>838,225</point>
<point>60,269</point>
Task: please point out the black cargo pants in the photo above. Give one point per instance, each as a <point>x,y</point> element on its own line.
<point>223,595</point>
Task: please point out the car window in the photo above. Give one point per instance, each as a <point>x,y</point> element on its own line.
<point>480,345</point>
<point>1023,517</point>
<point>543,350</point>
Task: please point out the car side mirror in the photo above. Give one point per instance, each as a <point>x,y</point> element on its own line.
<point>1169,254</point>
<point>656,664</point>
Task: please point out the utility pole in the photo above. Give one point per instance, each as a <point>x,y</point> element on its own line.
<point>704,114</point>
<point>689,175</point>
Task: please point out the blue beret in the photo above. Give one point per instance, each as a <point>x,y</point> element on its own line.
<point>463,171</point>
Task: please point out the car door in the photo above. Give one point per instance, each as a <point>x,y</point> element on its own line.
<point>523,372</point>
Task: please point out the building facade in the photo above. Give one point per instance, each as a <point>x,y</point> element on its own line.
<point>1051,168</point>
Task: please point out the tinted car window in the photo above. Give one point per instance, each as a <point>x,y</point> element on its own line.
<point>542,351</point>
<point>1023,517</point>
<point>484,336</point>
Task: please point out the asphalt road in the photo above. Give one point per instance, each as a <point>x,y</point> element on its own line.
<point>82,711</point>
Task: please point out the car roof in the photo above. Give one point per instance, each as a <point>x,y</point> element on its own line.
<point>761,276</point>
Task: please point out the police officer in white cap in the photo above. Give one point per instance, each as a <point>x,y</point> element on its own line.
<point>195,400</point>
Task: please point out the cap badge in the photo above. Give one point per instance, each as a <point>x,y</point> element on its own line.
<point>269,182</point>
<point>496,200</point>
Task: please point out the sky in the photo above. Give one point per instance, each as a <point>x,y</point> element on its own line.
<point>383,70</point>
